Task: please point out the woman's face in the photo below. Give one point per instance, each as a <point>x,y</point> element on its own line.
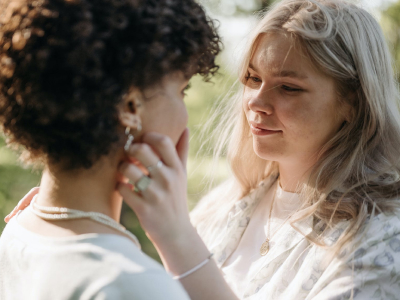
<point>163,110</point>
<point>291,107</point>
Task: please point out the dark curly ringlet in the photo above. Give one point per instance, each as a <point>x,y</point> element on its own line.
<point>65,66</point>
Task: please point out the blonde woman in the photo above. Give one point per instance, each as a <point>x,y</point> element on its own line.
<point>311,211</point>
<point>312,208</point>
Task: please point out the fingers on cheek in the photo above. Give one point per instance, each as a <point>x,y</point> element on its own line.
<point>140,150</point>
<point>131,171</point>
<point>164,144</point>
<point>143,153</point>
<point>161,144</point>
<point>151,137</point>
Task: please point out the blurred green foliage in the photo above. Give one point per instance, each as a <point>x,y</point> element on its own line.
<point>15,181</point>
<point>390,20</point>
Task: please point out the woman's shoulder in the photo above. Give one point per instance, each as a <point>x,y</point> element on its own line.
<point>368,266</point>
<point>378,231</point>
<point>211,201</point>
<point>211,212</point>
<point>121,252</point>
<point>141,286</point>
<point>221,199</point>
<point>117,269</point>
<point>375,249</point>
<point>381,228</point>
<point>224,206</point>
<point>99,265</point>
<point>134,274</point>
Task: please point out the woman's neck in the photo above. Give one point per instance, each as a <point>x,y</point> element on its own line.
<point>293,175</point>
<point>87,190</point>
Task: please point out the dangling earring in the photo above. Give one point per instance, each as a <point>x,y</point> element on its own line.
<point>130,139</point>
<point>139,127</point>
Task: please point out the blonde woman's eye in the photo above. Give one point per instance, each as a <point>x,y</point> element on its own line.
<point>253,79</point>
<point>290,89</point>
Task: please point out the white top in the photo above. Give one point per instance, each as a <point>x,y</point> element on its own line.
<point>294,268</point>
<point>88,266</point>
<point>246,260</point>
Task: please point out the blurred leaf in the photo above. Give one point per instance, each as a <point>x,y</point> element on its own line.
<point>15,182</point>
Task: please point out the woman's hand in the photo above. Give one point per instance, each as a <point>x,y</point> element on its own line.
<point>162,206</point>
<point>163,213</point>
<point>23,203</point>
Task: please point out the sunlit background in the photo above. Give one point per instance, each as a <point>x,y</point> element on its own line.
<point>236,19</point>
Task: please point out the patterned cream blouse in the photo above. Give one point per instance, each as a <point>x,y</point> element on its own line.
<point>368,268</point>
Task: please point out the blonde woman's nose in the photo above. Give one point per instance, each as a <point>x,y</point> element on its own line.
<point>260,102</point>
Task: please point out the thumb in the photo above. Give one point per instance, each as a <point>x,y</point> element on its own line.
<point>182,148</point>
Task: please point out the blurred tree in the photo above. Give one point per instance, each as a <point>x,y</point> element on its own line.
<point>390,20</point>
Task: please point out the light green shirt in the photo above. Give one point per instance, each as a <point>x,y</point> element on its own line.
<point>89,266</point>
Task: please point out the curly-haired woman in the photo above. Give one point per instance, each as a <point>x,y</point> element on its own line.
<point>312,210</point>
<point>79,81</point>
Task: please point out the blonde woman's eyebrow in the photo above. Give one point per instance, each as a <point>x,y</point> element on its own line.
<point>289,73</point>
<point>282,73</point>
<point>251,66</point>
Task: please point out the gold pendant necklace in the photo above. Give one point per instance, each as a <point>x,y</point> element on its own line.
<point>265,246</point>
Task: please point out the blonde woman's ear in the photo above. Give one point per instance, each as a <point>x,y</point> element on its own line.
<point>347,108</point>
<point>349,112</point>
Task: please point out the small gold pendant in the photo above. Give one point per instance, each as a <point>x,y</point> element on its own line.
<point>264,248</point>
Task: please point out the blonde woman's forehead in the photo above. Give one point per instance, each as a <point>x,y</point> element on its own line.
<point>276,55</point>
<point>281,72</point>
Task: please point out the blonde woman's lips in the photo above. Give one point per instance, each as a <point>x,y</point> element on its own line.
<point>262,131</point>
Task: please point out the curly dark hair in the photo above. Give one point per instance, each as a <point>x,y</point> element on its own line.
<point>66,64</point>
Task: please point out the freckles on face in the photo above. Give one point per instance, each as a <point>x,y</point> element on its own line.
<point>294,105</point>
<point>315,120</point>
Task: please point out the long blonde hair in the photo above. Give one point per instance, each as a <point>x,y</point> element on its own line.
<point>358,171</point>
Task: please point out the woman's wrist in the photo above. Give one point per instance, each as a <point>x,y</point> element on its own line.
<point>180,240</point>
<point>173,236</point>
<point>183,252</point>
<point>194,269</point>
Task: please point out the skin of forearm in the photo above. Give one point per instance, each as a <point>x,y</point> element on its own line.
<point>187,251</point>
